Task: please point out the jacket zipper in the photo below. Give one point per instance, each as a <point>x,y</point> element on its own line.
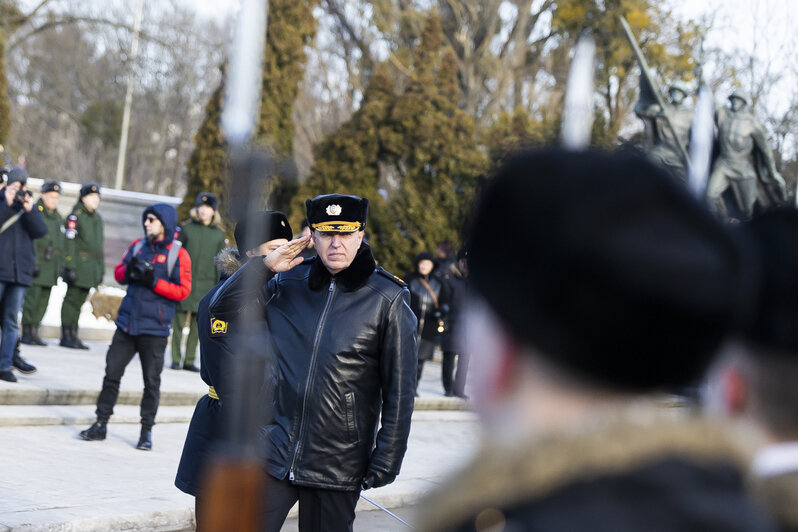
<point>313,356</point>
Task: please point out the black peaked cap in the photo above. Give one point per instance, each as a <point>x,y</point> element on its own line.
<point>261,227</point>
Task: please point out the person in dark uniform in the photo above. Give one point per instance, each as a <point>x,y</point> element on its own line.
<point>452,300</point>
<point>49,260</point>
<point>342,338</point>
<point>595,282</point>
<point>755,383</point>
<point>157,271</point>
<point>203,239</point>
<point>424,300</point>
<point>259,234</point>
<point>84,261</point>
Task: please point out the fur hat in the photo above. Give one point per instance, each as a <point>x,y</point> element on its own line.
<point>206,198</point>
<point>626,280</point>
<point>774,317</point>
<point>50,186</point>
<point>261,227</point>
<point>337,213</point>
<point>17,174</point>
<point>89,188</point>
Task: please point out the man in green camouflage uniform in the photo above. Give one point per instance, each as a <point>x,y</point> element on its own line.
<point>84,263</point>
<point>203,239</point>
<point>49,259</point>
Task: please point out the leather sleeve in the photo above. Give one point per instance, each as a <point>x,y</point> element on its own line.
<point>239,290</point>
<point>398,362</point>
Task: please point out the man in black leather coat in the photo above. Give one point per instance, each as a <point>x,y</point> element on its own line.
<point>343,340</point>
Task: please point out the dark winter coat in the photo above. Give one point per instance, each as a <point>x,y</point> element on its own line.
<point>659,474</point>
<point>202,242</point>
<point>150,309</point>
<point>423,305</point>
<point>49,248</point>
<point>778,496</point>
<point>345,352</point>
<point>218,343</point>
<point>16,243</point>
<point>84,251</point>
<point>452,301</point>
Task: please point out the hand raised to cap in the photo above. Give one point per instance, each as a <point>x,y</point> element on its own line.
<point>285,257</point>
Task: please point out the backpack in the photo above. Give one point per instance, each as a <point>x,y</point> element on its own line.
<point>171,258</point>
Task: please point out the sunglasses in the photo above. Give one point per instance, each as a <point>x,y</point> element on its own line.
<point>150,218</point>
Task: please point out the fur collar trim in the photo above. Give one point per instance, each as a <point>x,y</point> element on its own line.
<point>503,475</point>
<point>228,261</point>
<point>352,278</point>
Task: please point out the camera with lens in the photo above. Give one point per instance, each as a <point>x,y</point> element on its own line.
<point>140,271</point>
<point>21,196</point>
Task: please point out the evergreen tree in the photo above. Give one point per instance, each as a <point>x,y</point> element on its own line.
<point>208,165</point>
<point>414,155</point>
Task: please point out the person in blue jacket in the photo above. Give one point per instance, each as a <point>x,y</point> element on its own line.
<point>255,236</point>
<point>158,273</point>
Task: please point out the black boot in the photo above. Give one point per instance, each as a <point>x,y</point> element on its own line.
<point>27,335</point>
<point>66,336</point>
<point>35,336</point>
<point>94,433</point>
<point>145,439</point>
<point>76,340</point>
<point>18,363</point>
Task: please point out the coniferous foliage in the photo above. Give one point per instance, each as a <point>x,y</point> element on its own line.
<point>411,151</point>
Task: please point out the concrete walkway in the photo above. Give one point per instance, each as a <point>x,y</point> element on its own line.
<point>50,480</point>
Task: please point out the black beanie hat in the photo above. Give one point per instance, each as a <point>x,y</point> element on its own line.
<point>261,227</point>
<point>424,255</point>
<point>206,198</point>
<point>605,267</point>
<point>17,174</point>
<point>89,188</point>
<point>774,317</point>
<point>50,186</point>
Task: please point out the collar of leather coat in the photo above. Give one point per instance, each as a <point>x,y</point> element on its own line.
<point>352,278</point>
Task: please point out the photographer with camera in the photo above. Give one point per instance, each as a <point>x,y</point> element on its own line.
<point>157,271</point>
<point>49,259</point>
<point>20,223</point>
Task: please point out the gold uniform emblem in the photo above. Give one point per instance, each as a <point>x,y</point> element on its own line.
<point>218,326</point>
<point>333,210</point>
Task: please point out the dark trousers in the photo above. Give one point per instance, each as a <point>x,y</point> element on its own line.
<point>319,510</point>
<point>151,352</point>
<point>35,304</point>
<point>73,299</point>
<point>454,383</point>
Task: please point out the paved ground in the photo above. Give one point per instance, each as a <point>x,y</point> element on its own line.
<point>52,481</point>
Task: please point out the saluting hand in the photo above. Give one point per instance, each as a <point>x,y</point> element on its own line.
<point>285,257</point>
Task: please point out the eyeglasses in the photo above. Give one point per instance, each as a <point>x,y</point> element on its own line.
<point>150,218</point>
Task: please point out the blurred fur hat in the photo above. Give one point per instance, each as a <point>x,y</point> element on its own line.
<point>206,198</point>
<point>261,227</point>
<point>89,188</point>
<point>337,213</point>
<point>626,281</point>
<point>51,186</point>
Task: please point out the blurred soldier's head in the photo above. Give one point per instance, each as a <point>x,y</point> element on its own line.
<point>738,99</point>
<point>206,205</point>
<point>678,92</point>
<point>337,223</point>
<point>51,193</point>
<point>628,286</point>
<point>262,232</point>
<point>90,196</point>
<point>758,381</point>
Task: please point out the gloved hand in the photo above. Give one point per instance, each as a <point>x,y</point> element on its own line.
<point>375,479</point>
<point>69,275</point>
<point>140,271</point>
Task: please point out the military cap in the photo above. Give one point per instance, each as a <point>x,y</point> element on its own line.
<point>628,282</point>
<point>206,198</point>
<point>89,188</point>
<point>337,213</point>
<point>50,186</point>
<point>17,174</point>
<point>261,227</point>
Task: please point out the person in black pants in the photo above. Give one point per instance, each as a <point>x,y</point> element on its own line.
<point>158,272</point>
<point>452,299</point>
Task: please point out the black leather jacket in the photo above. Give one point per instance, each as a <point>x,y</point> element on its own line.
<point>345,352</point>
